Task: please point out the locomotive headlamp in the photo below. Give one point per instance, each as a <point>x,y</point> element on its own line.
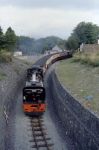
<point>24,98</point>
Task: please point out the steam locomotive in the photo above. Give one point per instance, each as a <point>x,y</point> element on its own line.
<point>34,92</point>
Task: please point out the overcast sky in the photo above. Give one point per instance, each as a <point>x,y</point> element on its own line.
<point>41,18</point>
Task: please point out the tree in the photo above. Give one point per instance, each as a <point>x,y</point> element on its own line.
<point>45,48</point>
<point>10,38</point>
<point>1,38</point>
<point>84,33</point>
<point>87,32</point>
<point>72,43</point>
<point>62,44</point>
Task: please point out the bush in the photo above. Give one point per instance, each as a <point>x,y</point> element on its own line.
<point>2,76</point>
<point>5,56</point>
<point>91,58</point>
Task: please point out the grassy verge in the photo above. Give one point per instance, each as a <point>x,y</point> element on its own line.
<point>5,56</point>
<point>2,76</point>
<point>82,81</point>
<point>87,58</point>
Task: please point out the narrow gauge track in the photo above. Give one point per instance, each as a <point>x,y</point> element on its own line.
<point>40,141</point>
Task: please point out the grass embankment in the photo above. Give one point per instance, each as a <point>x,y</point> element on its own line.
<point>87,58</point>
<point>2,76</point>
<point>5,56</point>
<point>82,81</point>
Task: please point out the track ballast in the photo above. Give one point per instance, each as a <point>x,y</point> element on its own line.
<point>40,141</point>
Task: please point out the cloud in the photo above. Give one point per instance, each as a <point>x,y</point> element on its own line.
<point>65,4</point>
<point>47,17</point>
<point>41,22</point>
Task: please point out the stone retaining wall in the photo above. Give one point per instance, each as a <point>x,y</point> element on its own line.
<point>80,124</point>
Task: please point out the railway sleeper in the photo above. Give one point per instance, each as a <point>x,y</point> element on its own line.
<point>37,121</point>
<point>37,124</point>
<point>39,129</point>
<point>43,145</point>
<point>40,140</point>
<point>39,134</point>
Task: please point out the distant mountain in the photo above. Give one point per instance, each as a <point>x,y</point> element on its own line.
<point>30,46</point>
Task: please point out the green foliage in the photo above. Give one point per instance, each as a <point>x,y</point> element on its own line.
<point>29,45</point>
<point>5,56</point>
<point>1,38</point>
<point>72,42</point>
<point>84,33</point>
<point>62,44</point>
<point>7,40</point>
<point>87,32</point>
<point>10,38</point>
<point>25,44</point>
<point>87,58</point>
<point>2,76</point>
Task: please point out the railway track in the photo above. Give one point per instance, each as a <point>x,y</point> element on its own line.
<point>40,140</point>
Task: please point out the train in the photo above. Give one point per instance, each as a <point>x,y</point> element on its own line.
<point>34,92</point>
<point>56,57</point>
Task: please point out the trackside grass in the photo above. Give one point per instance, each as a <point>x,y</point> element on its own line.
<point>91,58</point>
<point>82,81</point>
<point>2,76</point>
<point>5,56</point>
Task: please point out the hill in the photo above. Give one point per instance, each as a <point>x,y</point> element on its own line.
<point>30,45</point>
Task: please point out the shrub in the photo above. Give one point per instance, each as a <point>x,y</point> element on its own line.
<point>5,56</point>
<point>91,58</point>
<point>2,76</point>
